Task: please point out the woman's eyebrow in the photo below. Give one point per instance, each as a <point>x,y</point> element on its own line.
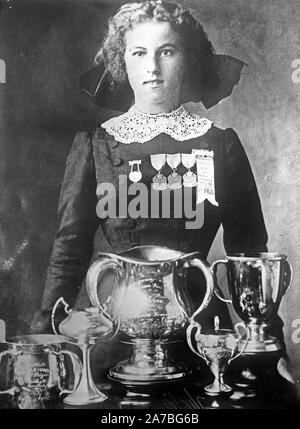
<point>165,45</point>
<point>137,47</point>
<point>169,45</point>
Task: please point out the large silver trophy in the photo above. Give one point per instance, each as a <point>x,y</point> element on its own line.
<point>257,283</point>
<point>146,286</point>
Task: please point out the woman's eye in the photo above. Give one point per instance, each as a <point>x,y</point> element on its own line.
<point>138,53</point>
<point>166,52</point>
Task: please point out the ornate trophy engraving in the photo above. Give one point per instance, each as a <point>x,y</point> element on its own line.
<point>159,182</point>
<point>174,179</point>
<point>257,283</point>
<point>218,347</point>
<point>85,392</point>
<point>149,293</point>
<point>37,364</point>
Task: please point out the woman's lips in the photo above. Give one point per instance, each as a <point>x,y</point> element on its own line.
<point>153,83</point>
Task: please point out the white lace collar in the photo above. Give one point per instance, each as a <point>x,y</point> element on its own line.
<point>135,126</point>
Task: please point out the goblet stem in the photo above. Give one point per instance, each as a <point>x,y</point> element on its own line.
<point>86,392</point>
<point>218,386</point>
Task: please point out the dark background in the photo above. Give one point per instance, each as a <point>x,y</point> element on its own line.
<point>48,44</point>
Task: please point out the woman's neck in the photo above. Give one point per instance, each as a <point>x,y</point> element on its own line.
<point>151,112</point>
<point>155,109</point>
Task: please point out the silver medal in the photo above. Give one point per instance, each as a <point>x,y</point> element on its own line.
<point>159,182</point>
<point>135,174</point>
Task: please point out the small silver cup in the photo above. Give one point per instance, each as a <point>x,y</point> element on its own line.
<point>218,347</point>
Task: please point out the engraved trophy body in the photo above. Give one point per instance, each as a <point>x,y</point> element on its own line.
<point>147,288</point>
<point>37,364</point>
<point>257,283</point>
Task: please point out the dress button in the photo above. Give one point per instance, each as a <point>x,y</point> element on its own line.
<point>113,143</point>
<point>117,161</point>
<point>131,223</point>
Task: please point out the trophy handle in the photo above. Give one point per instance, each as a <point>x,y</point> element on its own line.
<point>266,280</point>
<point>204,267</point>
<point>66,309</point>
<point>77,369</point>
<point>288,276</point>
<point>236,328</point>
<point>217,290</point>
<point>191,326</point>
<point>286,279</point>
<point>95,273</point>
<point>11,390</point>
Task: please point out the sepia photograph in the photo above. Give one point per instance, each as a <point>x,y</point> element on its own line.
<point>149,207</point>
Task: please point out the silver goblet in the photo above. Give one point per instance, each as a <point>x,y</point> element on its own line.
<point>218,347</point>
<point>86,392</point>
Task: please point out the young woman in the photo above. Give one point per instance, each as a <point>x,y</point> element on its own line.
<point>162,53</point>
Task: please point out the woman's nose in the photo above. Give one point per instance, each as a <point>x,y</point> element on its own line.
<point>153,65</point>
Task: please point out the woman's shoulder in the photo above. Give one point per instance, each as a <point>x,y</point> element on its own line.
<point>96,133</point>
<point>224,138</point>
<point>82,137</point>
<point>81,143</point>
<point>222,133</point>
<point>97,136</point>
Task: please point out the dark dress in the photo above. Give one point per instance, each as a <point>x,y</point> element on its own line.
<point>97,158</point>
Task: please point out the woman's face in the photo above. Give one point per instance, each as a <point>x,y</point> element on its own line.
<point>155,66</point>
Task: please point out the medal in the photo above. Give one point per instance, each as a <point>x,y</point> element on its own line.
<point>159,182</point>
<point>135,174</point>
<point>189,178</point>
<point>174,179</point>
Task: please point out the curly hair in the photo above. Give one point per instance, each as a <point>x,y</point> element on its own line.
<point>197,48</point>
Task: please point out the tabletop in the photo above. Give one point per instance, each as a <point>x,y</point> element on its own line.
<point>263,389</point>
